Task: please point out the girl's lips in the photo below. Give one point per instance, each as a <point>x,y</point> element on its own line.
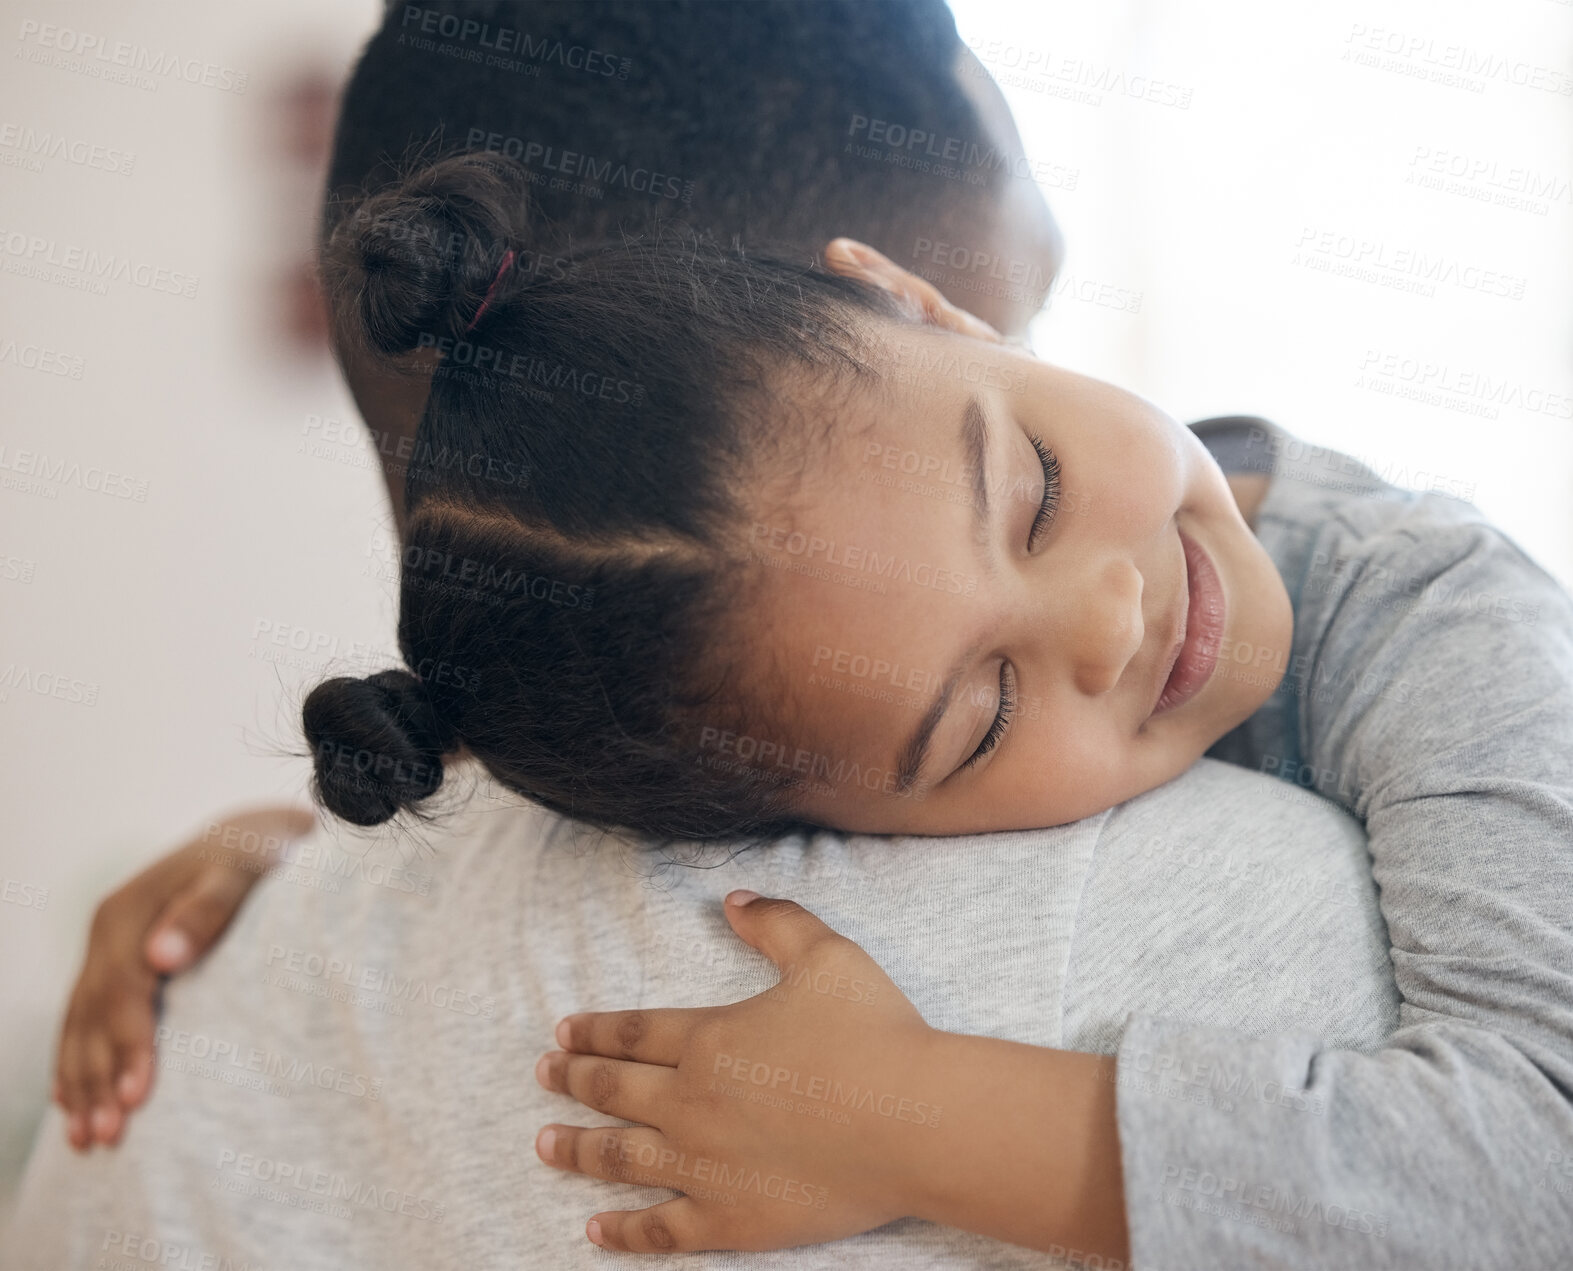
<point>1204,622</point>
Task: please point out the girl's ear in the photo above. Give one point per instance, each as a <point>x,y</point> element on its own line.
<point>852,259</point>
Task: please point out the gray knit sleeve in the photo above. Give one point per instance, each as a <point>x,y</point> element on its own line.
<point>1430,691</point>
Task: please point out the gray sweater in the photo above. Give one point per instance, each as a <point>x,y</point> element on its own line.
<point>347,1080</point>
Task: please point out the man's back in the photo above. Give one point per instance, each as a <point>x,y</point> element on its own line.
<point>348,1080</point>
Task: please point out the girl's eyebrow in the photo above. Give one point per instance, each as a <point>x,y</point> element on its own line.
<point>975,442</point>
<point>975,438</point>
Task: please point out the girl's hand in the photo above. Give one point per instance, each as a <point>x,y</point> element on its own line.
<point>794,1117</point>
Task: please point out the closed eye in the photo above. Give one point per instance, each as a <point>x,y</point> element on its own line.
<point>1049,504</point>
<point>1001,719</point>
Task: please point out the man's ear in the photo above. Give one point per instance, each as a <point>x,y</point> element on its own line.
<point>852,259</point>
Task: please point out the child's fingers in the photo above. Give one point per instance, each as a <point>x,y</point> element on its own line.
<point>634,1092</point>
<point>782,930</point>
<point>674,1226</point>
<point>637,1155</point>
<point>646,1037</point>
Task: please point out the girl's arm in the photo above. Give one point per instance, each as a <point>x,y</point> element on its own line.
<point>1431,693</point>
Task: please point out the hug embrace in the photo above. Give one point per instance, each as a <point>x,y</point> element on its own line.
<point>818,705</point>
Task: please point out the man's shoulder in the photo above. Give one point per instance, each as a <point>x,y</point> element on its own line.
<point>1212,799</point>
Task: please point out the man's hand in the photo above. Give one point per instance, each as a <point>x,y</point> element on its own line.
<point>156,925</point>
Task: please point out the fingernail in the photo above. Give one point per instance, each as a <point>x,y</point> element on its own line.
<point>544,1142</point>
<point>103,1123</point>
<point>741,897</point>
<point>542,1070</point>
<point>170,947</point>
<point>562,1034</point>
<point>593,1230</point>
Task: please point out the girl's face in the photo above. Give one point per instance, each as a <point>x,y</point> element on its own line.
<point>975,632</point>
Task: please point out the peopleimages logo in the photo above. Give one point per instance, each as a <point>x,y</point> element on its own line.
<point>48,144</point>
<point>371,979</point>
<point>1272,1199</point>
<point>31,255</point>
<point>328,1185</point>
<point>66,688</point>
<point>122,61</point>
<point>153,1252</point>
<point>1398,265</point>
<point>666,1162</point>
<point>34,468</point>
<point>861,559</point>
<point>1456,65</point>
<point>428,567</point>
<point>895,139</point>
<point>538,371</point>
<point>222,1054</point>
<point>505,43</point>
<point>825,1090</point>
<point>582,167</point>
<point>786,762</point>
<point>33,357</point>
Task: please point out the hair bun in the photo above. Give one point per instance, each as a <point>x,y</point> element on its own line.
<point>376,743</point>
<point>413,262</point>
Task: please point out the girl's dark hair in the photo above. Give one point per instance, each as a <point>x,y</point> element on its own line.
<point>578,532</point>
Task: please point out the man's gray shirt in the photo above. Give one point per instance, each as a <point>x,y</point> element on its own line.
<point>348,1080</point>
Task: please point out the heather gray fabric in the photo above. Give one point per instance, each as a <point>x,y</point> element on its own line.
<point>400,1078</point>
<point>1430,691</point>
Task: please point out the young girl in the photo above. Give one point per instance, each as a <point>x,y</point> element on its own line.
<point>706,545</point>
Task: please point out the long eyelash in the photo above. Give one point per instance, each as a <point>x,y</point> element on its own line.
<point>1002,719</point>
<point>1051,490</point>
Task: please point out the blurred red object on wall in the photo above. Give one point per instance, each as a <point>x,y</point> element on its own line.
<point>305,114</point>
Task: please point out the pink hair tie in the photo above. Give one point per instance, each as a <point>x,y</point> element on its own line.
<point>502,269</point>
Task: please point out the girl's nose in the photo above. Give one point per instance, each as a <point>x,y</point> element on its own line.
<point>1107,629</point>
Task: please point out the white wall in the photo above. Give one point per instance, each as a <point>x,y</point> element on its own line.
<point>149,604</point>
<point>1240,151</point>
